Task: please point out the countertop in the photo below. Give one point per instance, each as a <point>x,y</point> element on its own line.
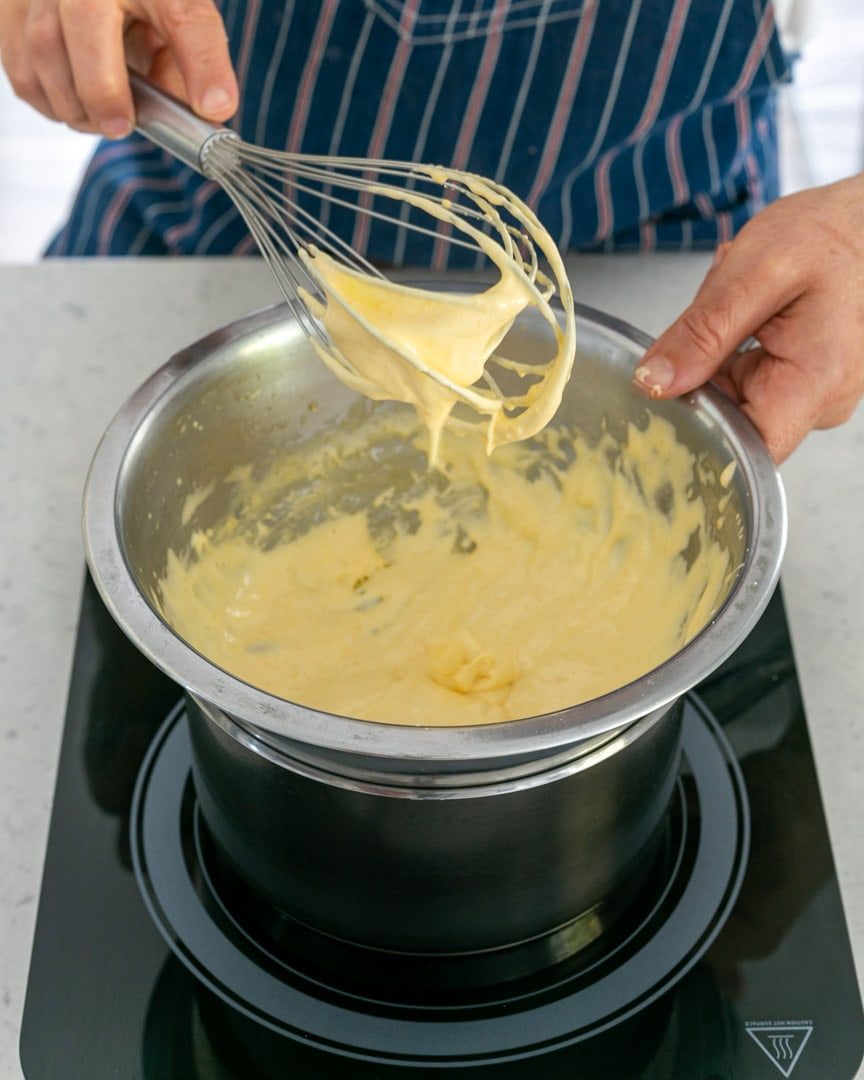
<point>77,337</point>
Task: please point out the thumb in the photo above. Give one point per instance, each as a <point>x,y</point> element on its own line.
<point>747,285</point>
<point>195,36</point>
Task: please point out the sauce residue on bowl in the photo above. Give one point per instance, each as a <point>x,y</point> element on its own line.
<point>352,578</point>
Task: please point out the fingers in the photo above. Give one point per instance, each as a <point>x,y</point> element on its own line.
<point>68,59</point>
<point>748,284</point>
<point>93,34</point>
<point>68,83</point>
<point>792,279</point>
<point>195,37</point>
<point>784,400</point>
<point>13,49</point>
<point>147,54</point>
<point>775,397</point>
<point>44,39</point>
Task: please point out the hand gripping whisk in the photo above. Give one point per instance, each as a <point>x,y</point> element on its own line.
<point>300,207</point>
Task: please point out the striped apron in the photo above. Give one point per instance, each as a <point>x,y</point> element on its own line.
<point>624,123</point>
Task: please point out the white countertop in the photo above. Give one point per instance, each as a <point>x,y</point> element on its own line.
<point>77,337</point>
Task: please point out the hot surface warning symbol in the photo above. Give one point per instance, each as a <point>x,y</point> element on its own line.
<point>782,1044</point>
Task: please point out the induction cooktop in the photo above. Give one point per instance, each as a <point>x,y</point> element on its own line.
<point>151,960</point>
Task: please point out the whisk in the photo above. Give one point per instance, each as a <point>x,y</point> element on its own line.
<point>297,206</point>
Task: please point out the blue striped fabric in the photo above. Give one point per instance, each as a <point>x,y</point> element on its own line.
<point>625,123</point>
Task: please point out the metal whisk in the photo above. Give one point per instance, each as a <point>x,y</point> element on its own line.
<point>296,205</point>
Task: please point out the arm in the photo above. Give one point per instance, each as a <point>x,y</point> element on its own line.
<point>793,279</point>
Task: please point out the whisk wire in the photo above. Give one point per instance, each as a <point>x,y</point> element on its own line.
<point>273,178</point>
<point>286,201</point>
<point>269,186</point>
<point>289,272</point>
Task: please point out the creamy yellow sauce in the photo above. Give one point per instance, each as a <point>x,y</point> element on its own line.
<point>435,349</point>
<point>353,579</point>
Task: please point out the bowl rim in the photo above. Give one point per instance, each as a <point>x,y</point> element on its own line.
<point>276,718</point>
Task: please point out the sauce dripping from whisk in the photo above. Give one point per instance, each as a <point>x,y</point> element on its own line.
<point>433,349</point>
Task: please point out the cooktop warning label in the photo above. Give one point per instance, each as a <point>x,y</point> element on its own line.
<point>781,1042</point>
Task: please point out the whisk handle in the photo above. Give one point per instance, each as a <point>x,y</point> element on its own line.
<point>172,125</point>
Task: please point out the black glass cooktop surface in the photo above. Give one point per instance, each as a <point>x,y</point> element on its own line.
<point>733,960</point>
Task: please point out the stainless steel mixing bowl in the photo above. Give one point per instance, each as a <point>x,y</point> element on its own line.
<point>471,837</point>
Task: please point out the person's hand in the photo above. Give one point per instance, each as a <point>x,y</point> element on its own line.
<point>793,279</point>
<point>68,58</point>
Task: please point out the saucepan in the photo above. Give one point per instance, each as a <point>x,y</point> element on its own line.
<point>434,841</point>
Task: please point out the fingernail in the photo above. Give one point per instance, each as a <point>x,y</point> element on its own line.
<point>655,375</point>
<point>116,128</point>
<point>215,100</point>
